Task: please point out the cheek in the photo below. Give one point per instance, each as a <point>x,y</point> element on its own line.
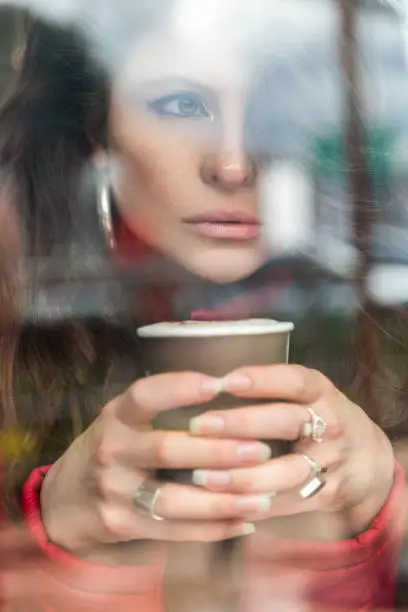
<point>156,153</point>
<point>154,192</point>
<point>158,180</point>
<point>159,177</point>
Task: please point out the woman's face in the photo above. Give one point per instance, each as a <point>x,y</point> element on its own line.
<point>186,183</point>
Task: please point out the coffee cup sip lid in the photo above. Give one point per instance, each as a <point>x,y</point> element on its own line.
<point>200,329</point>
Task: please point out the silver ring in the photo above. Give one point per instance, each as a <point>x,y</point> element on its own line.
<point>315,428</point>
<point>145,498</point>
<point>316,469</point>
<point>316,481</point>
<point>311,488</point>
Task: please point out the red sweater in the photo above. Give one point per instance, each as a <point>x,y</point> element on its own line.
<point>357,574</point>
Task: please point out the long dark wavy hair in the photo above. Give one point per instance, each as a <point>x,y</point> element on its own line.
<point>56,371</point>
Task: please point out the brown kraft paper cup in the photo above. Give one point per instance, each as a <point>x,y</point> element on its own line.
<point>213,348</point>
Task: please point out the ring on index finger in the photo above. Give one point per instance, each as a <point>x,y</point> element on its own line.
<point>145,498</point>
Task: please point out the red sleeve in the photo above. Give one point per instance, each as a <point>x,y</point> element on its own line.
<point>68,583</point>
<point>358,574</point>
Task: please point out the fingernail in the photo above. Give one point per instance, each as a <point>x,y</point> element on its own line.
<point>203,478</point>
<point>199,478</point>
<point>237,382</point>
<point>207,424</point>
<point>307,430</point>
<point>254,452</point>
<point>259,503</point>
<point>212,385</point>
<point>248,528</point>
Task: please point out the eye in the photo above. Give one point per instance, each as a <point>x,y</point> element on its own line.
<point>184,105</point>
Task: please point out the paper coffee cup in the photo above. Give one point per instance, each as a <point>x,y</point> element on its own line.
<point>214,348</point>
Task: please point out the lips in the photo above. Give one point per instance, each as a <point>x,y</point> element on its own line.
<point>225,226</point>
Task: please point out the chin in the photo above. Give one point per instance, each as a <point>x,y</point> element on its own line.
<point>223,269</point>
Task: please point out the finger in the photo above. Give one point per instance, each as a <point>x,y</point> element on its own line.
<point>275,421</point>
<point>331,498</point>
<point>178,502</point>
<point>293,383</point>
<point>175,450</point>
<point>187,503</point>
<point>127,525</point>
<point>276,476</point>
<point>267,421</point>
<point>149,396</point>
<point>172,450</point>
<point>203,531</point>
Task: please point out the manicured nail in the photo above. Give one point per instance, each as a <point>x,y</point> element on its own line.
<point>237,382</point>
<point>206,425</point>
<point>204,478</point>
<point>248,528</point>
<point>199,478</point>
<point>259,503</point>
<point>307,430</point>
<point>212,385</point>
<point>254,451</point>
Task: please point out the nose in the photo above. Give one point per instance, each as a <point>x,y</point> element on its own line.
<point>229,172</point>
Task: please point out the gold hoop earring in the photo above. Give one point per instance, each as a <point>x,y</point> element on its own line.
<point>104,208</point>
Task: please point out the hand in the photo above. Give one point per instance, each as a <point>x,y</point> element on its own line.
<point>87,497</point>
<point>355,452</point>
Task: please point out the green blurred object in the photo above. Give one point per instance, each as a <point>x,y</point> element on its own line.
<point>330,155</point>
<point>16,443</point>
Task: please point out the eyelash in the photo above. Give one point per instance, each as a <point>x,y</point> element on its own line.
<point>159,106</point>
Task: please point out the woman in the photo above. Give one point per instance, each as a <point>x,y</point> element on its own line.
<point>183,184</point>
